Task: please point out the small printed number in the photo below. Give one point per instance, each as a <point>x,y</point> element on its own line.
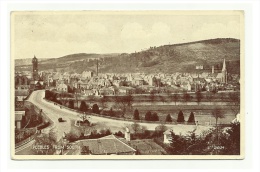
<point>219,147</point>
<point>69,147</point>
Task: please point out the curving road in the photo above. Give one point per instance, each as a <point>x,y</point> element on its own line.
<point>54,112</point>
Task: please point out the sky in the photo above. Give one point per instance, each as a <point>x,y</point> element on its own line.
<point>56,34</point>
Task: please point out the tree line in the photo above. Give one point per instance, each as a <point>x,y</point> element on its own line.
<point>149,116</point>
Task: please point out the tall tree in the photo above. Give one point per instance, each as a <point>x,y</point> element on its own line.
<point>76,97</point>
<point>84,117</point>
<point>186,96</point>
<point>216,113</point>
<point>152,95</point>
<point>175,97</point>
<point>70,89</point>
<point>154,117</point>
<point>111,112</point>
<point>136,115</point>
<point>148,116</point>
<point>235,100</point>
<point>83,106</point>
<point>198,97</point>
<point>180,117</point>
<point>95,109</point>
<point>168,118</point>
<point>177,144</point>
<point>209,96</point>
<point>232,146</point>
<point>191,118</point>
<point>124,102</point>
<point>71,104</point>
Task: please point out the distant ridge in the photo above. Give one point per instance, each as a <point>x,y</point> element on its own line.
<point>210,41</point>
<point>181,57</point>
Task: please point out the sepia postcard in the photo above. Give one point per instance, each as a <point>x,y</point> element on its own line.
<point>127,85</point>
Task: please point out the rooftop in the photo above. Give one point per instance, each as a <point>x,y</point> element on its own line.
<point>106,145</point>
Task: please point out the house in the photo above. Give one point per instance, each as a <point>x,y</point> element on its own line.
<point>18,119</point>
<point>125,90</point>
<point>138,81</point>
<point>108,145</point>
<point>219,77</point>
<point>62,88</point>
<point>21,80</point>
<point>88,92</point>
<point>151,80</point>
<point>20,95</point>
<point>107,91</point>
<point>116,82</point>
<point>199,67</point>
<point>36,85</point>
<point>50,81</point>
<point>199,80</point>
<point>87,74</point>
<point>186,86</point>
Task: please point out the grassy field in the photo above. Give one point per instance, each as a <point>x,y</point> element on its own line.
<point>202,113</point>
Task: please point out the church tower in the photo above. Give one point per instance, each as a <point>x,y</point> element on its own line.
<point>224,72</point>
<point>35,75</point>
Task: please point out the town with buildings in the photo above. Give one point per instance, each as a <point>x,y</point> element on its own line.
<point>102,84</point>
<point>131,138</point>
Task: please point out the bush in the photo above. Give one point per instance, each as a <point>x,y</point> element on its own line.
<point>180,117</point>
<point>120,134</point>
<point>95,109</point>
<point>83,106</point>
<point>154,117</point>
<point>71,104</point>
<point>148,116</point>
<point>191,118</point>
<point>136,115</point>
<point>168,118</point>
<point>151,116</point>
<point>111,112</point>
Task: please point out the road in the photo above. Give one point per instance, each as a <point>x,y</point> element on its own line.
<point>54,112</point>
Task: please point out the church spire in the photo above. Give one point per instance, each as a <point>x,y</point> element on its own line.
<point>224,66</point>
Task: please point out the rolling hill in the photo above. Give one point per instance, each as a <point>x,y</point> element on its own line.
<point>167,58</point>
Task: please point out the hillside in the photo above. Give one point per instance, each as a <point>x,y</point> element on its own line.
<point>167,58</point>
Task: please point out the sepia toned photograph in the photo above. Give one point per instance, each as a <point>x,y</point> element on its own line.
<point>129,84</point>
